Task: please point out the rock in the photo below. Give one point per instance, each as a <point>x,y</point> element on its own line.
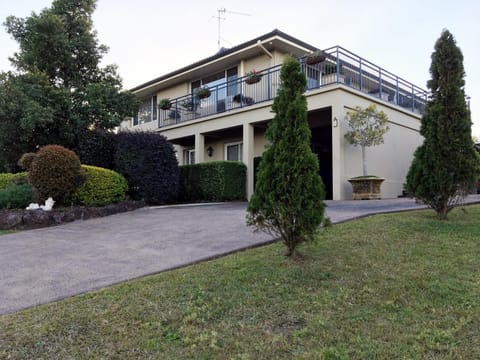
<point>31,219</point>
<point>10,219</point>
<point>37,218</point>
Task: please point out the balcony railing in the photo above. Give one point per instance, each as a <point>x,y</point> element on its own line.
<point>339,67</point>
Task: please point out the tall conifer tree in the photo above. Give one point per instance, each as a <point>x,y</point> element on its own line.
<point>288,199</point>
<point>445,166</point>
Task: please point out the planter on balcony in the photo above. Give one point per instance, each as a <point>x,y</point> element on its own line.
<point>247,100</point>
<point>253,77</point>
<point>366,187</point>
<point>315,58</point>
<point>165,104</point>
<point>203,93</point>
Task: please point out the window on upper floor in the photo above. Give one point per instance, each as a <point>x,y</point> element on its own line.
<point>226,81</point>
<point>147,111</point>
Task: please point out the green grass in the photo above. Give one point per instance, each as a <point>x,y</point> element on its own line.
<point>3,232</point>
<point>397,286</point>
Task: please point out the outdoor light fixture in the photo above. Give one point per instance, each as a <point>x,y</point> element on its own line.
<point>209,151</point>
<point>335,122</point>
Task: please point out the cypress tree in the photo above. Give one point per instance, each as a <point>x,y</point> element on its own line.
<point>445,166</point>
<point>288,199</point>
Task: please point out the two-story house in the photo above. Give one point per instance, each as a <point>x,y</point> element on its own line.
<point>229,123</point>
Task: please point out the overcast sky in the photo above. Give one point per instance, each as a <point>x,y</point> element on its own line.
<point>148,38</point>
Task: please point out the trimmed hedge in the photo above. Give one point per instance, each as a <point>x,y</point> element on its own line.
<point>8,179</point>
<point>100,187</point>
<point>213,181</point>
<point>148,162</point>
<point>54,172</point>
<point>97,148</point>
<point>16,196</point>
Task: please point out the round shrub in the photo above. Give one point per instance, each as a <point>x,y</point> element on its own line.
<point>16,197</point>
<point>8,179</point>
<point>148,162</point>
<point>26,160</point>
<point>97,148</point>
<point>100,187</point>
<point>55,172</point>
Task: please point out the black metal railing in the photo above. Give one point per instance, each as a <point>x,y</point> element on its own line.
<point>339,67</point>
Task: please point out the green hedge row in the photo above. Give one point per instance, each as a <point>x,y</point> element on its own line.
<point>7,179</point>
<point>213,181</point>
<point>100,187</point>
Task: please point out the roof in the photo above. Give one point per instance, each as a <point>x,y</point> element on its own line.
<point>225,52</point>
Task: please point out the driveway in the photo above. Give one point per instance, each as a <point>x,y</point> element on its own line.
<point>44,265</point>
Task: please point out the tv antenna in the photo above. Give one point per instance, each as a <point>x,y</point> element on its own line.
<point>221,16</point>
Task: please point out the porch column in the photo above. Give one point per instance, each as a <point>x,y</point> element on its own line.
<point>199,148</point>
<point>248,142</point>
<point>338,174</point>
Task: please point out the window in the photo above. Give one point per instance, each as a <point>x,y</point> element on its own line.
<point>232,84</point>
<point>234,151</point>
<point>147,111</point>
<point>189,156</point>
<point>228,76</point>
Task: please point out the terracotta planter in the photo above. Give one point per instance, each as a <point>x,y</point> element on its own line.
<point>366,188</point>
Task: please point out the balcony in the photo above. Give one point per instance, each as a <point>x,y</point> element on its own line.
<point>339,67</point>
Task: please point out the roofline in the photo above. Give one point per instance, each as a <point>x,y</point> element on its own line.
<point>232,50</point>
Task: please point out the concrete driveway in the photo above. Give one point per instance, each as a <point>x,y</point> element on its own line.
<point>44,265</point>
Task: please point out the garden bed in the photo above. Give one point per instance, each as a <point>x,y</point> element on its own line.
<point>32,219</point>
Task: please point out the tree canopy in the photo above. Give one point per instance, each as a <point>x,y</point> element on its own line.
<point>445,166</point>
<point>59,88</point>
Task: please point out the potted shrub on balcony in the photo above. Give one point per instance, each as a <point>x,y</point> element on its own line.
<point>165,104</point>
<point>315,58</point>
<point>253,77</point>
<point>203,92</point>
<point>367,129</point>
<point>239,98</point>
<point>174,115</point>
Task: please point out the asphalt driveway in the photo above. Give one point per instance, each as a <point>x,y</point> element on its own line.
<point>44,265</point>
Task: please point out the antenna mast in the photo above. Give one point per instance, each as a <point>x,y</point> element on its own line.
<point>221,16</point>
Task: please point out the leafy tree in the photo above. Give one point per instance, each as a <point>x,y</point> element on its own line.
<point>445,166</point>
<point>288,200</point>
<point>59,89</point>
<point>29,113</point>
<point>367,129</point>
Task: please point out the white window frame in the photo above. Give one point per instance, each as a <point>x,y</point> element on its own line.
<point>240,150</point>
<point>187,156</point>
<point>153,112</point>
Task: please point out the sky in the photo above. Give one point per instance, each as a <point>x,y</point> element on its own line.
<point>149,38</point>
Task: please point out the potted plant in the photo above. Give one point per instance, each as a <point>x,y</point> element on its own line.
<point>253,77</point>
<point>239,98</point>
<point>315,57</point>
<point>165,104</point>
<point>203,92</point>
<point>367,129</point>
<point>174,115</point>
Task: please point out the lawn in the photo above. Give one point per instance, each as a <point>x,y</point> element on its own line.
<point>397,286</point>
